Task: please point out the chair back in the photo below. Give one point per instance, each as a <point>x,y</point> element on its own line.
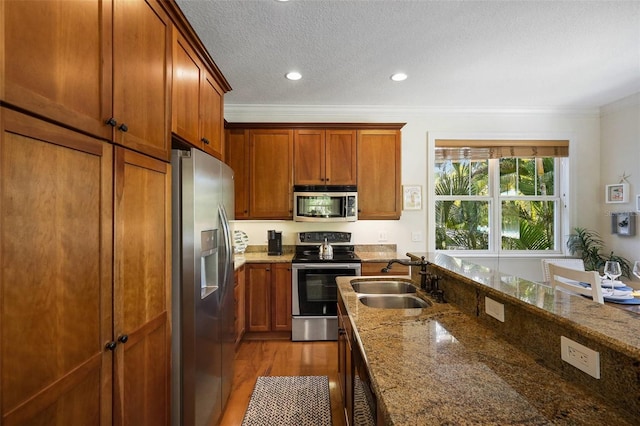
<point>572,263</point>
<point>569,279</point>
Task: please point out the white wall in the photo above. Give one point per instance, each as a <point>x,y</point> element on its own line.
<point>582,127</point>
<point>620,153</point>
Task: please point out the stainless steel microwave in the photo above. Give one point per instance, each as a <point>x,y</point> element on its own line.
<point>325,203</point>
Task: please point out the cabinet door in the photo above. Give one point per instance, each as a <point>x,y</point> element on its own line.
<point>142,263</point>
<point>281,299</point>
<point>237,157</point>
<point>57,61</point>
<point>55,274</point>
<point>211,117</point>
<point>270,174</point>
<point>341,157</point>
<point>379,174</point>
<point>345,368</point>
<point>258,293</point>
<point>141,70</point>
<point>239,293</point>
<point>185,92</point>
<point>309,157</point>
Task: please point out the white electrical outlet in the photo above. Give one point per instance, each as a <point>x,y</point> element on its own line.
<point>382,236</point>
<point>580,356</point>
<point>494,309</point>
<point>416,236</point>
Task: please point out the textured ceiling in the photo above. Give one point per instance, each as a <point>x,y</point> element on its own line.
<point>458,54</point>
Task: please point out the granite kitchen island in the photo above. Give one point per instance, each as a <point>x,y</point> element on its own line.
<point>452,364</point>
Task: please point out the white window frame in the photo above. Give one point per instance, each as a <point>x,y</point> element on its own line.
<point>561,187</point>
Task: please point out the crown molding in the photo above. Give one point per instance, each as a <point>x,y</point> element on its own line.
<point>248,112</point>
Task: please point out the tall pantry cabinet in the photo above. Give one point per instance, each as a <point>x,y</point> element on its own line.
<point>85,212</point>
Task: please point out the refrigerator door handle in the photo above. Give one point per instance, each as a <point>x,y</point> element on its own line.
<point>227,245</point>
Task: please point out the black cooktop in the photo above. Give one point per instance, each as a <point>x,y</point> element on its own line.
<point>308,247</point>
<point>311,253</point>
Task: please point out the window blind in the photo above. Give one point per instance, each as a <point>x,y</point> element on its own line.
<point>466,149</point>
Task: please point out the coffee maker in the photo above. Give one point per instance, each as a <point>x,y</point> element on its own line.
<point>274,240</point>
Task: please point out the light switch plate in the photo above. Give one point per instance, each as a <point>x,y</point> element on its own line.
<point>494,309</point>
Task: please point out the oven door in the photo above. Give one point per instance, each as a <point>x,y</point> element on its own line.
<point>314,289</point>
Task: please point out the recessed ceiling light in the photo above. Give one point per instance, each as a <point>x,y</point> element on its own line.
<point>399,76</point>
<point>293,75</point>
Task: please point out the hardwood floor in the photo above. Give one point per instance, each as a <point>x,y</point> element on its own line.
<point>281,358</point>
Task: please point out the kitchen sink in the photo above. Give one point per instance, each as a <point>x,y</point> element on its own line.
<point>393,301</point>
<point>383,287</point>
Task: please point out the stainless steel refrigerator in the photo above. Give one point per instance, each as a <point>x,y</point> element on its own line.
<point>202,289</point>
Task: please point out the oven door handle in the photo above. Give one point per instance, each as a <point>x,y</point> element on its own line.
<point>325,266</point>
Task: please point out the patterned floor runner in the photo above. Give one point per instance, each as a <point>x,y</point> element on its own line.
<point>289,401</point>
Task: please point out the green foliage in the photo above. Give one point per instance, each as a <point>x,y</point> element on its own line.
<point>588,245</point>
<point>526,224</point>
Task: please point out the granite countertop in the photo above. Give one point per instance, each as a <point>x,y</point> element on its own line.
<point>441,366</point>
<point>617,325</point>
<point>367,253</point>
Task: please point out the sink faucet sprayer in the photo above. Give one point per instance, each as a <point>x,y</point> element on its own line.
<point>428,282</point>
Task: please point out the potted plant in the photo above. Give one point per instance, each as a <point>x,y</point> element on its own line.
<point>588,245</point>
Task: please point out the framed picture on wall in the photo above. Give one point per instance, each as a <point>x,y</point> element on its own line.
<point>617,193</point>
<point>412,197</point>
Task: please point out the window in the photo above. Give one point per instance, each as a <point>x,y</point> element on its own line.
<point>498,196</point>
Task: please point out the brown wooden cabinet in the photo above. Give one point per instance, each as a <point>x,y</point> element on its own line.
<point>268,157</point>
<point>141,77</point>
<point>268,297</point>
<point>324,157</point>
<point>345,364</point>
<point>85,279</point>
<point>237,157</point>
<point>197,112</point>
<point>104,72</point>
<point>270,173</point>
<point>262,160</point>
<point>61,72</point>
<point>239,299</point>
<point>142,289</point>
<point>379,174</point>
<point>55,274</point>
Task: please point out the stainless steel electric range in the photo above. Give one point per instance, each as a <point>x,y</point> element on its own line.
<point>314,289</point>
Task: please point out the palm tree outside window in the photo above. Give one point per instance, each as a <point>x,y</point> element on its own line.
<point>498,196</point>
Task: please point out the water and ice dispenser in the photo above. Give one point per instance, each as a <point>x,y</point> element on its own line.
<point>209,262</point>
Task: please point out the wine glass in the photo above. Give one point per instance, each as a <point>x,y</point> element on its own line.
<point>613,271</point>
<point>636,268</point>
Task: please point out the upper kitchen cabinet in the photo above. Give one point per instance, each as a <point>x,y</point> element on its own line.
<point>57,61</point>
<point>197,98</point>
<point>101,67</point>
<point>141,77</point>
<point>379,177</point>
<point>270,173</point>
<point>324,157</point>
<point>262,162</point>
<point>237,157</point>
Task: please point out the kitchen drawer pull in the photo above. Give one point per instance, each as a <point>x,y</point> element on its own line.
<point>206,141</point>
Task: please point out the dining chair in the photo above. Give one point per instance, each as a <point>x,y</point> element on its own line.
<point>572,263</point>
<point>569,279</point>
